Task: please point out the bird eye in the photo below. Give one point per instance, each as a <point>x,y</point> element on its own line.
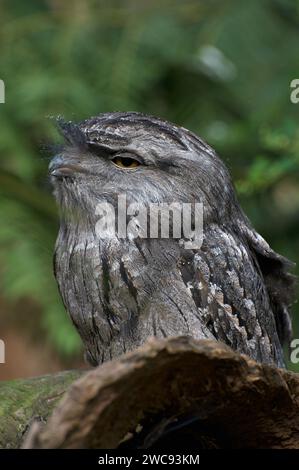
<point>125,162</point>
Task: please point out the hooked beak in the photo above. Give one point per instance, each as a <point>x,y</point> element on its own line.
<point>61,167</point>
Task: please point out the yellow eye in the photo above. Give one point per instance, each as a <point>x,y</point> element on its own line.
<point>125,162</point>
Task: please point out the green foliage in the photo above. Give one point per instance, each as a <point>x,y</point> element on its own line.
<point>221,68</point>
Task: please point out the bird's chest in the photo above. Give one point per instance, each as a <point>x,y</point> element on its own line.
<point>93,282</point>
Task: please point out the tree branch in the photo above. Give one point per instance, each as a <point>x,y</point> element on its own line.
<point>200,393</point>
<point>24,401</point>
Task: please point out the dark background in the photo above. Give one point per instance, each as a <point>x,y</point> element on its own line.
<point>221,68</point>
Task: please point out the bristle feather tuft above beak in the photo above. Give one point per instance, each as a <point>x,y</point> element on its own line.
<point>71,132</point>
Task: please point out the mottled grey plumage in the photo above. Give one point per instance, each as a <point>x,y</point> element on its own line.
<point>120,291</point>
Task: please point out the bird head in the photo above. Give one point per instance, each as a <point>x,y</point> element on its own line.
<point>147,159</point>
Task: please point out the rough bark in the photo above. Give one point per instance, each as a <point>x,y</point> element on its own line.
<point>24,401</point>
<point>176,392</point>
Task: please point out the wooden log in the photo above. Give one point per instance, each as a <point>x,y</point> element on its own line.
<point>24,401</point>
<point>176,393</point>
